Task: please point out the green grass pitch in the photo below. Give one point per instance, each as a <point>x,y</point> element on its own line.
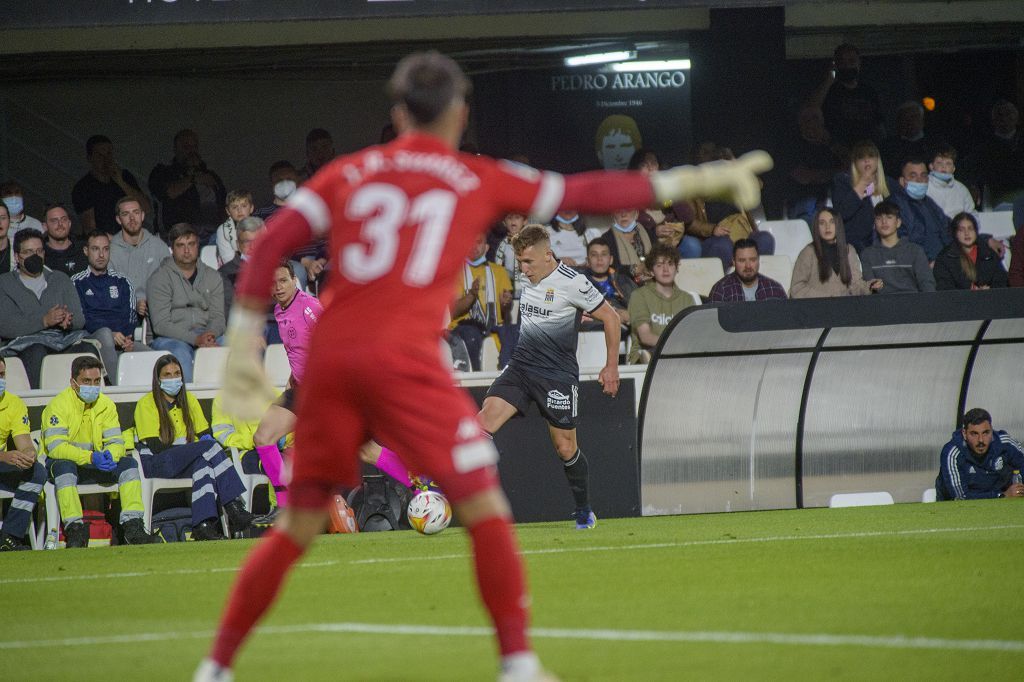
<point>913,591</point>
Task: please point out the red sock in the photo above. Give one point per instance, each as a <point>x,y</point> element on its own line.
<point>254,591</point>
<point>500,575</point>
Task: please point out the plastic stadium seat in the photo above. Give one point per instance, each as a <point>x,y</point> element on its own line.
<point>17,378</point>
<point>31,534</point>
<point>489,360</point>
<point>999,224</point>
<point>56,371</point>
<point>791,236</point>
<point>860,499</point>
<point>208,367</point>
<point>275,364</point>
<point>698,274</point>
<point>208,254</point>
<point>250,481</point>
<point>151,486</point>
<point>779,268</point>
<point>136,368</point>
<point>929,495</point>
<point>590,349</point>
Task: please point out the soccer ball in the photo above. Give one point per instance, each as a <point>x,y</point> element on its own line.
<point>429,512</point>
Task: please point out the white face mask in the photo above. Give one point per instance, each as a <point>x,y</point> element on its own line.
<point>284,189</point>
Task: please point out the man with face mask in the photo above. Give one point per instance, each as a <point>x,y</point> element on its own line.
<point>40,312</point>
<point>284,180</point>
<point>924,222</point>
<point>13,197</point>
<point>851,107</point>
<point>83,442</point>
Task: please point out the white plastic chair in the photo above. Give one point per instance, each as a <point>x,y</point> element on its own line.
<point>698,274</point>
<point>136,368</point>
<point>208,367</point>
<point>275,364</point>
<point>779,267</point>
<point>859,499</point>
<point>791,236</point>
<point>17,377</point>
<point>929,495</point>
<point>999,224</point>
<point>151,486</point>
<point>489,360</point>
<point>590,349</point>
<point>208,254</point>
<point>250,481</point>
<point>31,533</point>
<point>56,370</point>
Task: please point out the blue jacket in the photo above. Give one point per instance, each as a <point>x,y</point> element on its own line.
<point>924,223</point>
<point>962,476</point>
<point>107,301</point>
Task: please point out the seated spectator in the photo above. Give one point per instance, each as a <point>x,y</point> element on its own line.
<point>828,266</point>
<point>910,139</point>
<point>968,262</point>
<point>483,303</point>
<point>628,243</point>
<point>134,251</point>
<point>978,463</point>
<point>745,282</point>
<point>248,229</point>
<point>20,473</point>
<point>95,196</point>
<point>319,150</point>
<point>63,254</point>
<point>108,302</point>
<point>924,222</point>
<point>851,107</point>
<point>900,264</point>
<point>1000,159</point>
<point>233,433</point>
<point>505,256</point>
<point>568,234</point>
<point>186,299</point>
<point>815,159</point>
<point>174,441</point>
<point>13,197</point>
<point>238,207</point>
<point>855,194</point>
<point>652,306</point>
<point>83,443</point>
<point>950,194</point>
<point>616,287</point>
<point>652,219</point>
<point>188,191</point>
<point>6,246</point>
<point>723,224</point>
<point>284,180</point>
<point>39,310</point>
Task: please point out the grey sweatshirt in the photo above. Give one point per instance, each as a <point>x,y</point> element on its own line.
<point>183,310</point>
<point>137,263</point>
<point>903,268</point>
<point>21,313</point>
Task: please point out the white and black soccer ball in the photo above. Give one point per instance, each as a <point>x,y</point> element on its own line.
<point>429,512</point>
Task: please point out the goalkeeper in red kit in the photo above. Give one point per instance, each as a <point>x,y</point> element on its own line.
<point>400,218</point>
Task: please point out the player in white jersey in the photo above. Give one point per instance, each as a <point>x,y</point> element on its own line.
<point>543,367</point>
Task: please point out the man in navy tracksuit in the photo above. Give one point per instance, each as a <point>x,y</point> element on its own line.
<point>979,463</point>
<point>108,302</point>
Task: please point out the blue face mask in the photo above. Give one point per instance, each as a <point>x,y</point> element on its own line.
<point>478,262</point>
<point>15,205</point>
<point>171,387</point>
<point>917,190</point>
<point>627,228</point>
<point>563,219</point>
<point>942,177</point>
<point>88,394</point>
<point>3,386</point>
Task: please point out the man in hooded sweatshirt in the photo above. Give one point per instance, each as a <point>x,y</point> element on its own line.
<point>900,263</point>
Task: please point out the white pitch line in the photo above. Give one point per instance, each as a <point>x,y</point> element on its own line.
<point>667,636</point>
<point>529,552</point>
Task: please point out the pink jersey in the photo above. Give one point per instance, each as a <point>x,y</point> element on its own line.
<point>295,324</point>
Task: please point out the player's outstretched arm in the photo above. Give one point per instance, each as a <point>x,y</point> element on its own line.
<point>609,376</point>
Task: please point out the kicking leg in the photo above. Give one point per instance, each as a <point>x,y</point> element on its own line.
<point>495,412</point>
<point>386,460</point>
<point>577,472</point>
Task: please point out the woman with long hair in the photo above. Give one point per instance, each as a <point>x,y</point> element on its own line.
<point>968,263</point>
<point>828,266</point>
<point>175,441</point>
<point>855,194</point>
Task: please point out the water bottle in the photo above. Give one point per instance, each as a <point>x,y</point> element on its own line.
<point>1016,478</point>
<point>51,539</point>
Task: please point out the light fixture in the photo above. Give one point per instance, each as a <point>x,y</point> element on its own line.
<point>600,58</point>
<point>664,65</point>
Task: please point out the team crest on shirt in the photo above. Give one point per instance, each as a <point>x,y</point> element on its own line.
<point>558,400</point>
<point>292,333</point>
<point>549,296</point>
<point>114,292</point>
<point>999,464</point>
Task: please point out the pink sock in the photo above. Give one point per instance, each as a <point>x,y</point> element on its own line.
<point>273,465</point>
<point>389,463</point>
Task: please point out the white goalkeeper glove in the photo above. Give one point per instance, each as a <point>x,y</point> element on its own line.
<point>247,392</point>
<point>732,181</point>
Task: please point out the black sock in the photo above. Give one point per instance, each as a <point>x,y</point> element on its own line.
<point>576,470</point>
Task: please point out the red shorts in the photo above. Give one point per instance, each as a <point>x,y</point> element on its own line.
<point>399,395</point>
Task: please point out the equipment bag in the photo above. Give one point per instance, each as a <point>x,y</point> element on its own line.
<point>379,504</point>
<point>174,524</point>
